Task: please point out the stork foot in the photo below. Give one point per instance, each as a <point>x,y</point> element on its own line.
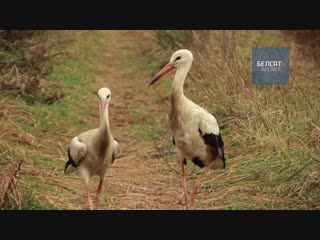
<point>98,201</point>
<point>90,204</point>
<point>181,200</point>
<point>195,190</point>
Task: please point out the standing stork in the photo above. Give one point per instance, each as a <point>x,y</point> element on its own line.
<point>195,131</point>
<point>92,152</point>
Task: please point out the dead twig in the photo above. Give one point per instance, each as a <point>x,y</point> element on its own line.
<point>10,189</point>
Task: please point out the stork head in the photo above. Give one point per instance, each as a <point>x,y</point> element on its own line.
<point>104,95</point>
<point>179,59</point>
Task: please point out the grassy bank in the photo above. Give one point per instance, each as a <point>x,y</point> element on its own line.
<point>38,133</point>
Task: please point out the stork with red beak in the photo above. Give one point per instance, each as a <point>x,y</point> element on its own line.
<point>92,152</point>
<point>196,134</point>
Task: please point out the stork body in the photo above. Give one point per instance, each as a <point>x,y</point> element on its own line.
<point>92,152</point>
<point>196,133</point>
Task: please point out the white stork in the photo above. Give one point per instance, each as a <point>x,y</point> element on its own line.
<point>92,152</point>
<point>196,134</point>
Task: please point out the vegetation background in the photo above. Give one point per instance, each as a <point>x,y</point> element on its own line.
<point>48,81</point>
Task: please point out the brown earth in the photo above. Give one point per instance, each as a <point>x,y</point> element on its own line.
<point>139,178</point>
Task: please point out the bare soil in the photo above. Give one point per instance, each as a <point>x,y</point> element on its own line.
<point>139,179</point>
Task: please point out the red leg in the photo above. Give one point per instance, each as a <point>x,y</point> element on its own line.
<point>89,197</point>
<point>184,184</point>
<point>196,185</point>
<point>98,201</point>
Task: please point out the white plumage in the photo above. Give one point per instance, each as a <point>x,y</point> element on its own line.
<point>92,152</point>
<point>195,131</point>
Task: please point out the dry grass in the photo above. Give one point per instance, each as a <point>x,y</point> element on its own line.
<point>271,132</point>
<point>307,41</point>
<point>26,59</point>
<point>36,133</point>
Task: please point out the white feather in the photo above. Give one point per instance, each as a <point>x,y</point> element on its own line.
<point>115,147</point>
<point>77,149</point>
<point>208,123</point>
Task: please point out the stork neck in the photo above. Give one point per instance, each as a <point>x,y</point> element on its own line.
<point>178,82</point>
<point>104,122</point>
<point>177,97</point>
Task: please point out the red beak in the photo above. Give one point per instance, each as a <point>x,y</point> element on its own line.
<point>161,73</point>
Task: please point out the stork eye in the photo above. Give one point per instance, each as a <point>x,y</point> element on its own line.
<point>108,96</point>
<point>178,58</point>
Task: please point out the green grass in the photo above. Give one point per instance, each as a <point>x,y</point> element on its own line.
<point>30,202</point>
<point>3,156</point>
<point>139,112</point>
<point>145,127</point>
<point>32,195</point>
<point>37,184</point>
<point>43,161</point>
<point>147,132</point>
<point>110,201</point>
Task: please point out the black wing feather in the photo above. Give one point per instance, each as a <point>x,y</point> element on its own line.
<point>197,162</point>
<point>113,156</point>
<point>216,142</point>
<point>70,161</point>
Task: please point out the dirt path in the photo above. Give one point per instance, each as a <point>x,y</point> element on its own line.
<point>137,180</point>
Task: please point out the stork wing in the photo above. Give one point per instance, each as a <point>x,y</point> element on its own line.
<point>209,130</point>
<point>115,150</point>
<point>76,152</point>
